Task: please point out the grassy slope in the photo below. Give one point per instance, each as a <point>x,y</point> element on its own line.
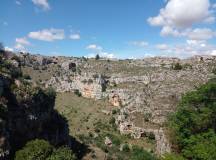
<point>84,116</point>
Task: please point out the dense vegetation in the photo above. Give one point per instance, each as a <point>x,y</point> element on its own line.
<point>42,150</point>
<point>194,124</point>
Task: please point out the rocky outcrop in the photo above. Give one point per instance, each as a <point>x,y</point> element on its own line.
<point>87,85</point>
<point>26,113</point>
<point>36,60</point>
<point>115,100</point>
<point>127,127</point>
<point>108,142</point>
<point>69,65</point>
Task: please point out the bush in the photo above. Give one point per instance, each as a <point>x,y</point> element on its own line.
<point>177,66</point>
<point>62,153</point>
<point>147,117</point>
<point>26,76</point>
<point>194,123</point>
<point>78,93</point>
<point>35,150</point>
<point>140,154</point>
<point>172,157</point>
<point>126,148</point>
<point>42,150</point>
<point>50,92</point>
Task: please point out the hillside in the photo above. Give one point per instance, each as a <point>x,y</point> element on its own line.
<point>111,106</point>
<point>142,92</point>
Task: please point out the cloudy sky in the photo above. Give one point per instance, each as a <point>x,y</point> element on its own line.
<point>111,28</point>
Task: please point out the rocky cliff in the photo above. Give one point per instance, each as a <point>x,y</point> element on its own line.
<point>26,112</point>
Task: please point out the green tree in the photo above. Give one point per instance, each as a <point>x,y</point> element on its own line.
<point>201,146</point>
<point>35,150</point>
<point>177,66</point>
<point>97,57</point>
<point>194,123</point>
<point>1,47</point>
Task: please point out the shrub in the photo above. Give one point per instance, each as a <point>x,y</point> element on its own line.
<point>35,150</point>
<point>141,154</point>
<point>112,121</point>
<point>126,148</point>
<point>78,93</point>
<point>114,111</point>
<point>90,81</point>
<point>147,117</point>
<point>62,153</point>
<point>177,66</point>
<point>172,157</point>
<point>26,76</point>
<point>104,87</point>
<point>42,150</point>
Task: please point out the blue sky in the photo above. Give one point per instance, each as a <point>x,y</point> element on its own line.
<point>111,28</point>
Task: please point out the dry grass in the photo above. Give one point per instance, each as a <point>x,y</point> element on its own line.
<point>83,113</point>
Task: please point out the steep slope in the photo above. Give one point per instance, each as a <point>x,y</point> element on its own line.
<point>27,112</point>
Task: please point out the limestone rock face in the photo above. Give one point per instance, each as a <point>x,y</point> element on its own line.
<point>35,60</point>
<point>115,100</point>
<point>108,141</point>
<point>69,65</point>
<point>162,144</point>
<point>87,85</point>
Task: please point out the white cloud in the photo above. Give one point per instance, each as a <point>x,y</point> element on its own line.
<point>47,34</point>
<point>139,43</point>
<point>100,51</point>
<point>182,13</point>
<point>179,16</point>
<point>22,41</point>
<point>210,19</point>
<point>9,49</point>
<point>162,46</point>
<point>42,3</point>
<point>195,34</point>
<point>201,34</point>
<point>107,55</point>
<point>195,42</point>
<point>213,53</point>
<point>102,54</point>
<point>18,2</point>
<point>94,47</point>
<point>188,49</point>
<point>167,30</point>
<point>75,36</point>
<point>19,47</point>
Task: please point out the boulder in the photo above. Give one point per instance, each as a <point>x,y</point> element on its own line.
<point>108,142</point>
